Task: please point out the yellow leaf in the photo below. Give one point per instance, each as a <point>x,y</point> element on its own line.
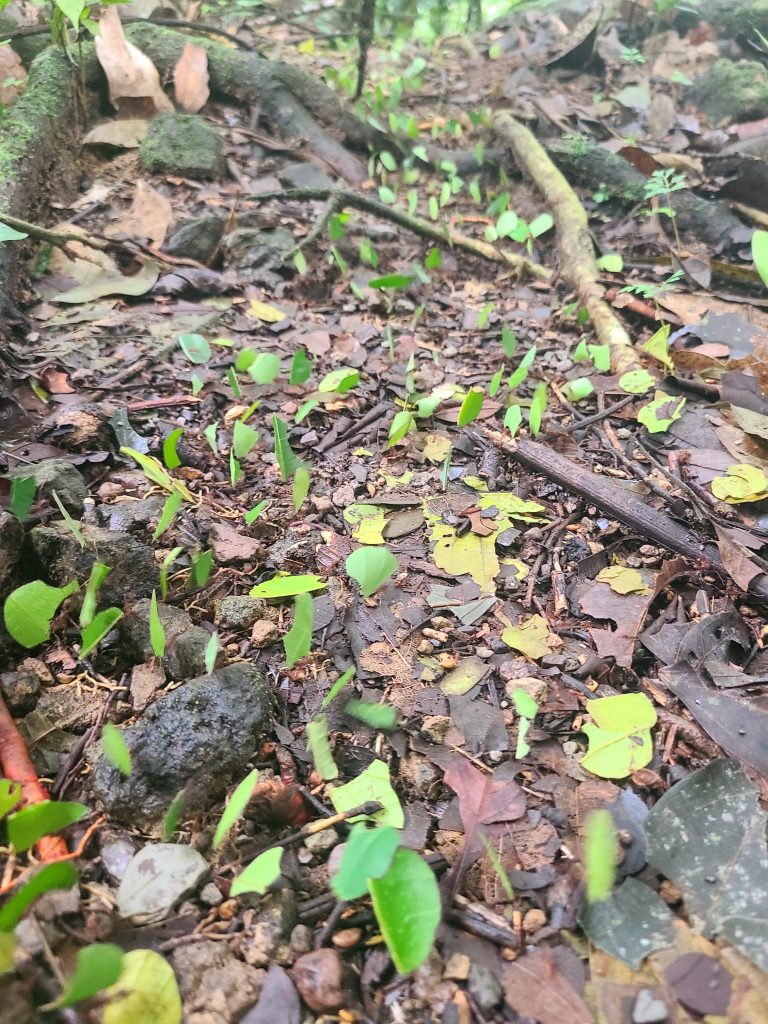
<point>531,638</point>
<point>475,482</point>
<point>262,311</point>
<point>620,738</point>
<point>436,447</point>
<point>621,579</point>
<point>145,993</point>
<point>306,46</point>
<point>367,522</point>
<point>742,484</point>
<point>464,677</point>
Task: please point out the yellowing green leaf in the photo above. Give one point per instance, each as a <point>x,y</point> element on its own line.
<point>619,736</point>
<point>372,784</point>
<point>288,586</point>
<point>661,413</point>
<point>366,521</point>
<point>636,382</point>
<point>263,311</point>
<point>743,483</point>
<point>145,993</point>
<point>601,850</point>
<point>622,579</point>
<point>156,473</point>
<point>436,447</point>
<point>530,637</point>
<point>464,677</point>
<point>657,347</point>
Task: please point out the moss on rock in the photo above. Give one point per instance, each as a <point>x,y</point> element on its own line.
<point>733,90</point>
<point>181,144</point>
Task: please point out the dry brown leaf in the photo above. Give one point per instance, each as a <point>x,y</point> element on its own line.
<point>133,80</point>
<point>13,74</point>
<point>126,133</point>
<point>190,79</point>
<point>149,216</point>
<point>534,987</point>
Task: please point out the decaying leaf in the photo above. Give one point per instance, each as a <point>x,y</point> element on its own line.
<point>531,637</point>
<point>619,736</point>
<point>621,579</point>
<point>132,78</point>
<point>535,987</point>
<point>464,677</point>
<point>190,79</point>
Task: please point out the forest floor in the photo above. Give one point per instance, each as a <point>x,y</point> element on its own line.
<point>524,656</point>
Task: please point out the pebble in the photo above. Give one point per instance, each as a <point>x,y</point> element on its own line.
<point>533,920</point>
<point>301,939</point>
<point>211,895</point>
<point>347,938</point>
<point>322,842</point>
<point>318,976</point>
<point>648,1009</point>
<point>264,633</point>
<point>457,968</point>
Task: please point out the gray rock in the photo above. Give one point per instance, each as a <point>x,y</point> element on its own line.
<point>238,612</point>
<point>134,571</point>
<point>185,643</point>
<point>736,90</point>
<point>214,982</point>
<point>484,987</point>
<point>158,877</point>
<point>648,1008</point>
<point>11,536</point>
<point>198,239</point>
<point>252,247</point>
<point>267,939</point>
<point>20,690</point>
<point>181,144</point>
<point>304,176</point>
<point>131,515</point>
<point>117,852</point>
<point>56,475</point>
<point>198,737</point>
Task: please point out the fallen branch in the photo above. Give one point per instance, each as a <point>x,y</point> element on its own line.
<point>17,766</point>
<point>651,523</point>
<point>577,257</point>
<point>417,225</point>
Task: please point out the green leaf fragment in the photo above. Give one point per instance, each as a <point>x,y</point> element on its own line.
<point>29,610</point>
<point>406,901</point>
<point>371,567</point>
<point>33,822</point>
<point>259,874</point>
<point>320,748</point>
<point>235,807</point>
<point>366,854</point>
<point>297,642</point>
<point>97,629</point>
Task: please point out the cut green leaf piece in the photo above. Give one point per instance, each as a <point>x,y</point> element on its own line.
<point>210,433</point>
<point>578,389</point>
<point>253,514</point>
<point>611,262</point>
<point>406,901</point>
<point>372,784</point>
<point>170,455</point>
<point>29,610</point>
<point>52,876</point>
<point>297,642</point>
<point>31,823</point>
<point>513,418</point>
<point>235,807</point>
<point>211,653</point>
<point>524,703</point>
<point>760,254</point>
<point>338,686</point>
<point>10,795</point>
<point>116,749</point>
<point>145,993</point>
<point>157,473</point>
<point>259,874</point>
<point>661,413</point>
<point>371,566</point>
<point>74,527</point>
<point>367,853</point>
<point>98,966</point>
<point>95,631</point>
<point>376,716</point>
<point>538,406</point>
<point>401,424</point>
<point>301,367</point>
<point>156,631</point>
<point>339,381</point>
<point>22,495</point>
<point>202,566</point>
<point>471,407</point>
<point>172,816</point>
<point>518,376</point>
<point>168,514</point>
<point>300,488</point>
<point>243,439</point>
<point>195,348</point>
<point>265,368</point>
<point>396,282</point>
<point>320,748</point>
<point>286,459</point>
<point>288,586</point>
<point>99,572</point>
<point>601,850</point>
<point>9,234</point>
<point>636,382</point>
<point>245,358</point>
<point>619,736</point>
<point>657,346</point>
<point>165,569</point>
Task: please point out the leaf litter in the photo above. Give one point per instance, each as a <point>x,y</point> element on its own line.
<point>437,577</point>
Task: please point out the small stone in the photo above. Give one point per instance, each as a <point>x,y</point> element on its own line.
<point>116,855</point>
<point>321,503</point>
<point>56,475</point>
<point>11,536</point>
<point>20,690</point>
<point>182,144</point>
<point>435,727</point>
<point>238,612</point>
<point>533,920</point>
<point>457,968</point>
<point>484,987</point>
<point>158,877</point>
<point>211,895</point>
<point>304,176</point>
<point>131,515</point>
<point>319,977</point>
<point>648,1008</point>
<point>301,939</point>
<point>198,239</point>
<point>185,643</point>
<point>216,987</point>
<point>347,938</point>
<point>322,842</point>
<point>146,680</point>
<point>267,936</point>
<point>264,633</point>
<point>228,909</point>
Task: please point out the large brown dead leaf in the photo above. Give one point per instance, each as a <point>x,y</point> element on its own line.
<point>149,216</point>
<point>190,79</point>
<point>535,988</point>
<point>628,611</point>
<point>132,78</point>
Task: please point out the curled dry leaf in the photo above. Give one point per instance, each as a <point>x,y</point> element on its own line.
<point>190,79</point>
<point>133,80</point>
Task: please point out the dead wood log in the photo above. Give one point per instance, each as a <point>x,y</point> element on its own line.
<point>298,104</point>
<point>641,518</point>
<point>576,252</point>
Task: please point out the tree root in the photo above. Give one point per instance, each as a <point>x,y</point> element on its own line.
<point>337,199</point>
<point>577,258</point>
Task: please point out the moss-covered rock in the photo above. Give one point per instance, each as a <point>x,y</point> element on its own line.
<point>181,144</point>
<point>736,90</point>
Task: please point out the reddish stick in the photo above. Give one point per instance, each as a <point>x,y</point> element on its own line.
<point>17,766</point>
